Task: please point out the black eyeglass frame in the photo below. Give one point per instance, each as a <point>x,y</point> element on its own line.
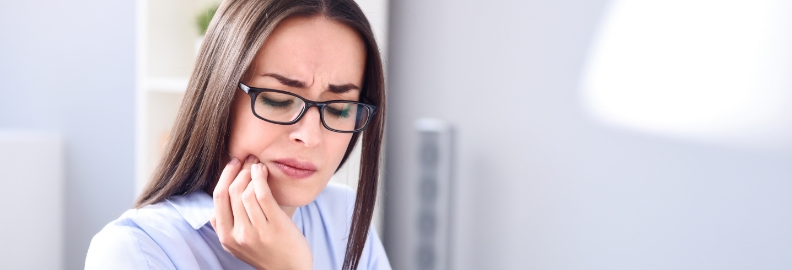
<point>254,91</point>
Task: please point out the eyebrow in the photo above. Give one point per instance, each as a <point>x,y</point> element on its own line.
<point>338,89</point>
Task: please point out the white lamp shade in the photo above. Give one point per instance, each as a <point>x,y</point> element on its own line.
<point>714,71</point>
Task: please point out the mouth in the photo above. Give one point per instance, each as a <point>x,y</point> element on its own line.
<point>294,168</point>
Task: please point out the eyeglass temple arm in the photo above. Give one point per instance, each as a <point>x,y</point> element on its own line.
<point>244,87</point>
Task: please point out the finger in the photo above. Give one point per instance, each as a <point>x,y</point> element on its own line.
<point>251,203</point>
<point>220,196</point>
<point>263,192</point>
<point>235,192</point>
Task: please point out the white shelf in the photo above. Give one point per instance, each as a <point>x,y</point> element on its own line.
<point>166,84</point>
<point>166,33</point>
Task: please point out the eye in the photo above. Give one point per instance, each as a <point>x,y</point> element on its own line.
<point>338,110</point>
<point>277,103</point>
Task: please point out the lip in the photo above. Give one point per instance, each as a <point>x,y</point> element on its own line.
<point>294,168</point>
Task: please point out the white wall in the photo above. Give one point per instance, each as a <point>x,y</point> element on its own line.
<point>540,183</point>
<point>68,66</point>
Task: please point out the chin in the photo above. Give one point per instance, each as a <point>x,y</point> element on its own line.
<point>291,194</point>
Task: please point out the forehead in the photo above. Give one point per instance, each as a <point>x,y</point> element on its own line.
<point>313,48</point>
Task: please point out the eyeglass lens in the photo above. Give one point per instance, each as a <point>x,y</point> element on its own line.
<point>284,108</point>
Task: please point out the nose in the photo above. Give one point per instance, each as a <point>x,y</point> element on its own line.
<point>308,130</point>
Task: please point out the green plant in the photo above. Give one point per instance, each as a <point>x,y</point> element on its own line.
<point>205,17</point>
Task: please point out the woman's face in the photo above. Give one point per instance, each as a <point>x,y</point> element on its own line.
<point>318,59</point>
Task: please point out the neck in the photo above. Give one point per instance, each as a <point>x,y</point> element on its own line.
<point>289,210</point>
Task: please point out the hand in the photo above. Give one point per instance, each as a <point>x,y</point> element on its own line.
<point>250,224</point>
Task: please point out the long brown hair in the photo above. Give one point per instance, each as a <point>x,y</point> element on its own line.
<point>197,151</point>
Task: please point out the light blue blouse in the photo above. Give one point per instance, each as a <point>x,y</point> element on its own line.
<point>176,234</point>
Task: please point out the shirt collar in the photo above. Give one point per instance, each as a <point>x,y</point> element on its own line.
<point>196,208</point>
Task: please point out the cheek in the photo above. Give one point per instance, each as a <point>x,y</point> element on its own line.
<point>248,134</point>
<point>337,146</point>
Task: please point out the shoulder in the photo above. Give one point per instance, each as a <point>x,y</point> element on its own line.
<point>123,244</point>
<point>337,192</point>
<point>338,199</point>
<point>134,240</point>
<point>116,239</point>
<point>337,203</point>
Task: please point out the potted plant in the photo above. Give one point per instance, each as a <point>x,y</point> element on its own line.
<point>202,21</point>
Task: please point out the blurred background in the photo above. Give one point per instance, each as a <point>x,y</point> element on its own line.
<point>605,134</point>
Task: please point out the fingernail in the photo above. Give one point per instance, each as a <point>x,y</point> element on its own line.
<point>234,161</point>
<point>254,166</point>
<point>250,159</point>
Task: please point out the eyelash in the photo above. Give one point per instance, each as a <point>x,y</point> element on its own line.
<point>338,113</point>
<point>277,104</point>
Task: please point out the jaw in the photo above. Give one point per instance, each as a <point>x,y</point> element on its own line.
<point>293,193</point>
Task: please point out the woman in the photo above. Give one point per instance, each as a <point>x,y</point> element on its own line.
<point>279,95</point>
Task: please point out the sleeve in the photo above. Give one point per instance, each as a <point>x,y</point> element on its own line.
<point>125,246</point>
<point>377,259</point>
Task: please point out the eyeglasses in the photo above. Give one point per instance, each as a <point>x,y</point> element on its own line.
<point>285,108</point>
